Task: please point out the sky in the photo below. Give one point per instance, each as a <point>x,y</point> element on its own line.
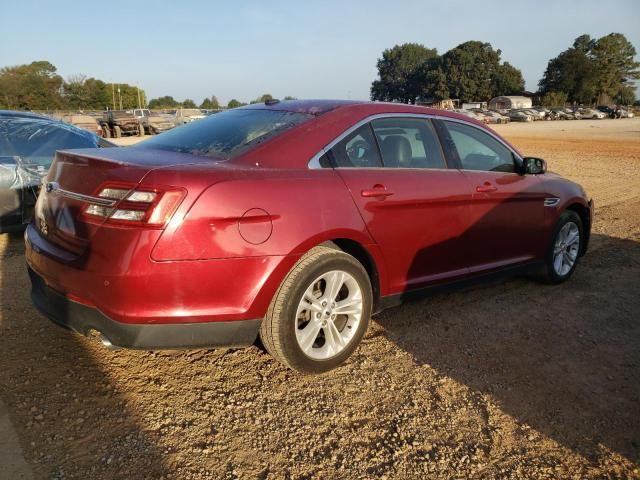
<point>307,49</point>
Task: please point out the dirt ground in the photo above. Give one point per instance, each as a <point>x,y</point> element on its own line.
<point>504,381</point>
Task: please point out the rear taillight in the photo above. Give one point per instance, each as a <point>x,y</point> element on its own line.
<point>142,206</point>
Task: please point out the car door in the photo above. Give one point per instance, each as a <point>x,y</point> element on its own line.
<point>507,211</point>
<point>415,208</point>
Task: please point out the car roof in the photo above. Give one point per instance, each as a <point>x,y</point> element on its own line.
<point>319,107</point>
<point>24,114</point>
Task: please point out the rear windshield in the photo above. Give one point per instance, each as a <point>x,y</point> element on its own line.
<point>227,134</point>
<point>36,141</point>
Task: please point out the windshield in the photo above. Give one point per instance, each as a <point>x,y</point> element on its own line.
<point>227,134</point>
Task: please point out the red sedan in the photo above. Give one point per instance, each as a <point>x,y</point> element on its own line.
<point>294,221</point>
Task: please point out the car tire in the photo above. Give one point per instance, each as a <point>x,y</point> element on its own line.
<point>563,252</point>
<point>303,329</point>
<point>117,132</point>
<point>141,130</point>
<point>106,132</point>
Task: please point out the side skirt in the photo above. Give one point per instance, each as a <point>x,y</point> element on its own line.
<point>456,285</point>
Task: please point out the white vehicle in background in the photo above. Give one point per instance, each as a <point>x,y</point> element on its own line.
<point>591,114</point>
<point>187,115</point>
<point>626,114</point>
<point>140,113</point>
<point>491,116</point>
<point>471,114</point>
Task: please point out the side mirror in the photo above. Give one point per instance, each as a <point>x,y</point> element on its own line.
<point>534,166</point>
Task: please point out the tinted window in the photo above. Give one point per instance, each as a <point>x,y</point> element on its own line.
<point>408,143</point>
<point>227,134</point>
<point>36,141</point>
<point>477,150</point>
<point>358,149</point>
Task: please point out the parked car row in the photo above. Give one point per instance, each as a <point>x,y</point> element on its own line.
<point>543,113</point>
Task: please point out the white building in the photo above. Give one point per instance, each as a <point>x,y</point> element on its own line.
<point>499,103</point>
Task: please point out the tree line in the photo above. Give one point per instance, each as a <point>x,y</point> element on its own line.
<point>591,71</point>
<point>212,103</point>
<point>38,86</point>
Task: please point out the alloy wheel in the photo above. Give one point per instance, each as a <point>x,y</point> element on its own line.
<point>328,315</point>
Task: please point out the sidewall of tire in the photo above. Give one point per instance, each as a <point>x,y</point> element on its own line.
<point>327,261</point>
<point>567,216</point>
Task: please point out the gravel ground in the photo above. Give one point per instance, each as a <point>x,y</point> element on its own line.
<point>509,380</point>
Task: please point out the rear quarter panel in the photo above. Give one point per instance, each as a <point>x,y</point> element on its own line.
<point>264,213</point>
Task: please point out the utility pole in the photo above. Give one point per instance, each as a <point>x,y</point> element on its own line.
<point>119,97</point>
<point>138,91</point>
<point>113,94</point>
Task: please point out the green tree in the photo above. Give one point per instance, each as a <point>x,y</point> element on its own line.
<point>554,99</point>
<point>163,102</point>
<point>473,72</point>
<point>401,73</point>
<point>614,57</point>
<point>74,92</point>
<point>97,94</point>
<point>506,80</point>
<point>626,95</point>
<point>573,72</point>
<point>233,103</point>
<point>35,86</point>
<point>210,103</point>
<point>128,94</point>
<point>188,103</point>
<point>262,98</point>
<point>289,97</point>
<point>592,70</point>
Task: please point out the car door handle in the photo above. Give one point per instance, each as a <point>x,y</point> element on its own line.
<point>378,191</point>
<point>486,188</point>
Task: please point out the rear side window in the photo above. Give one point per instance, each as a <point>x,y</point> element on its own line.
<point>477,150</point>
<point>357,149</point>
<point>228,134</point>
<point>408,143</point>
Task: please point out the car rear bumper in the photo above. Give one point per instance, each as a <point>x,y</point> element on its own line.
<point>118,277</point>
<point>85,319</point>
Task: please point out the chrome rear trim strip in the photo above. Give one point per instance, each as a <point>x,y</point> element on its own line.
<point>53,187</point>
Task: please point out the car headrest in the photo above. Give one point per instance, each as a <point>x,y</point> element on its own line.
<point>396,151</point>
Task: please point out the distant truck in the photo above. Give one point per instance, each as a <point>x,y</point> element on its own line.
<point>153,122</point>
<point>118,123</point>
<point>187,115</point>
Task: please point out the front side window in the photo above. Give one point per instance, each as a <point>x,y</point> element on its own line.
<point>358,149</point>
<point>477,150</point>
<point>408,143</point>
<point>227,134</point>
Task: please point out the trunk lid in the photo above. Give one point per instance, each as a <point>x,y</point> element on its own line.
<point>74,181</point>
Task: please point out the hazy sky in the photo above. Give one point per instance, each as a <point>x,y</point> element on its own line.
<point>308,49</point>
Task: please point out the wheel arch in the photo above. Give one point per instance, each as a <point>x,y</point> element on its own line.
<point>366,259</point>
<point>583,213</point>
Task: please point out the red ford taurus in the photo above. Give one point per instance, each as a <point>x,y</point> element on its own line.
<point>293,221</point>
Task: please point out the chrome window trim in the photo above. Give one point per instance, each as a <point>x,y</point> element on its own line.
<point>314,163</point>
